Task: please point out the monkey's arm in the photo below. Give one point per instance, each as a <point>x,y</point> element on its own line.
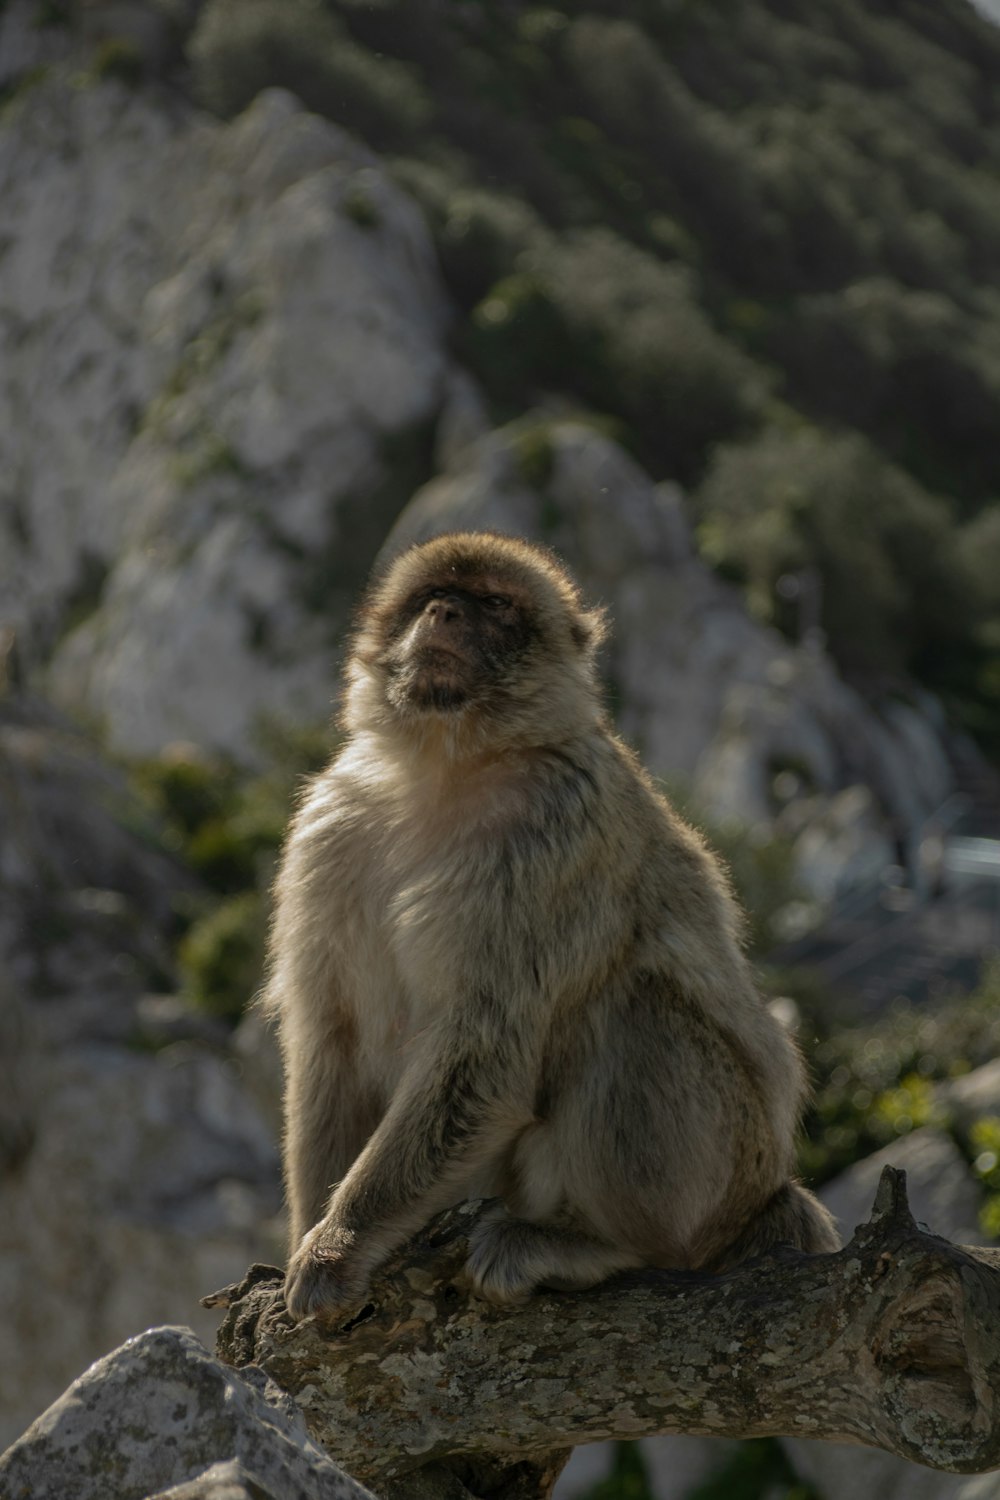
<point>460,1103</point>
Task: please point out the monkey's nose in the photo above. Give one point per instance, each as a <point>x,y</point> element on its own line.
<point>443,610</point>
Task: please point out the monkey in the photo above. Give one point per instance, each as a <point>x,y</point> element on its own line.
<point>504,968</point>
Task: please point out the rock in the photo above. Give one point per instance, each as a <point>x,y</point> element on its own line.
<point>86,895</point>
<point>240,332</point>
<point>137,1172</point>
<point>160,1416</point>
<point>246,376</point>
<point>972,1096</point>
<point>942,1191</point>
<point>150,1180</point>
<point>843,1471</point>
<point>845,843</point>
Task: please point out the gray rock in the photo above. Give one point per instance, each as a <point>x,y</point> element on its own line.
<point>161,1416</point>
<point>842,1471</point>
<point>972,1096</point>
<point>137,1171</point>
<point>240,333</point>
<point>150,1180</point>
<point>943,1193</point>
<point>86,896</point>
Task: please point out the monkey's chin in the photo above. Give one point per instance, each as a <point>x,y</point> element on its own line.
<point>430,690</point>
<point>438,696</point>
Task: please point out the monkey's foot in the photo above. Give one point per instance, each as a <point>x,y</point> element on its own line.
<point>510,1258</point>
<point>325,1276</point>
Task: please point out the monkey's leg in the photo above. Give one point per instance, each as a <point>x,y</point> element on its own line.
<point>509,1258</point>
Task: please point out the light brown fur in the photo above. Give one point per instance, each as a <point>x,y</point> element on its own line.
<point>504,967</point>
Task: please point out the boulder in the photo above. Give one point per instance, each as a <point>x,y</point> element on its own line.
<point>160,1416</point>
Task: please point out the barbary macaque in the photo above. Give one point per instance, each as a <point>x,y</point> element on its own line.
<point>504,968</point>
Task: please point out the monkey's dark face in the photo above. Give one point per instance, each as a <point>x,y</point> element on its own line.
<point>454,640</point>
<point>484,632</point>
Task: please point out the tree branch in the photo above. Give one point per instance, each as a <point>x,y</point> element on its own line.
<point>893,1342</point>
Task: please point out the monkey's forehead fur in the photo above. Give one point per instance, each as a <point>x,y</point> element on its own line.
<point>487,557</point>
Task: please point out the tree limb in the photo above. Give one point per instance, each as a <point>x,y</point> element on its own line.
<point>893,1342</point>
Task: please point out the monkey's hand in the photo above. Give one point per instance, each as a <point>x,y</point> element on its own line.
<point>328,1274</point>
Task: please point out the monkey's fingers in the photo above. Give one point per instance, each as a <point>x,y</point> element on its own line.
<point>323,1283</point>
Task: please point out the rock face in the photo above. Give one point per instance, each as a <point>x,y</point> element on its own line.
<point>161,1417</point>
<point>86,896</point>
<point>137,1173</point>
<point>238,330</point>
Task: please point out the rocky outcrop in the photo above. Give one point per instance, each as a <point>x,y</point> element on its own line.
<point>160,1417</point>
<point>238,330</point>
<point>86,889</point>
<point>136,1170</point>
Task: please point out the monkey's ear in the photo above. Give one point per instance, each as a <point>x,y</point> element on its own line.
<point>589,629</point>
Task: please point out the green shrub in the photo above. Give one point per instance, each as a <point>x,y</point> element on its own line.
<point>227,824</point>
<point>118,57</point>
<point>480,239</point>
<point>221,956</point>
<point>242,46</point>
<point>624,331</point>
<point>984,1142</point>
<point>759,1467</point>
<point>883,550</point>
<point>875,1082</point>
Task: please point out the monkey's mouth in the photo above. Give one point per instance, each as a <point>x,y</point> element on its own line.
<point>433,678</point>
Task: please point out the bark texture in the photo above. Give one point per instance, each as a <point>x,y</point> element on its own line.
<point>894,1342</point>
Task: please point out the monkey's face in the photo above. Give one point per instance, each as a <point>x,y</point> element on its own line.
<point>483,632</point>
<point>453,641</point>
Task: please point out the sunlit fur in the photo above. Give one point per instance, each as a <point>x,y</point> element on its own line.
<point>503,967</point>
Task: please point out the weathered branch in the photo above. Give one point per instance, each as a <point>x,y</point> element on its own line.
<point>893,1342</point>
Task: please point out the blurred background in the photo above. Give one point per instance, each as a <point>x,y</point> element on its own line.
<point>703,293</point>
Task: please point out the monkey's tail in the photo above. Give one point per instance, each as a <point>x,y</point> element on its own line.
<point>793,1216</point>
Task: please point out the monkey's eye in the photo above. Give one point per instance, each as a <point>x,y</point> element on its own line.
<point>496,601</point>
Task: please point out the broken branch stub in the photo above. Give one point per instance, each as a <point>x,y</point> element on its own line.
<point>893,1341</point>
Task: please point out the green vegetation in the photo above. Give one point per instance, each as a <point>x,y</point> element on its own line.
<point>627,1480</point>
<point>758,1467</point>
<point>877,1082</point>
<point>227,825</point>
<point>117,57</point>
<point>730,223</point>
